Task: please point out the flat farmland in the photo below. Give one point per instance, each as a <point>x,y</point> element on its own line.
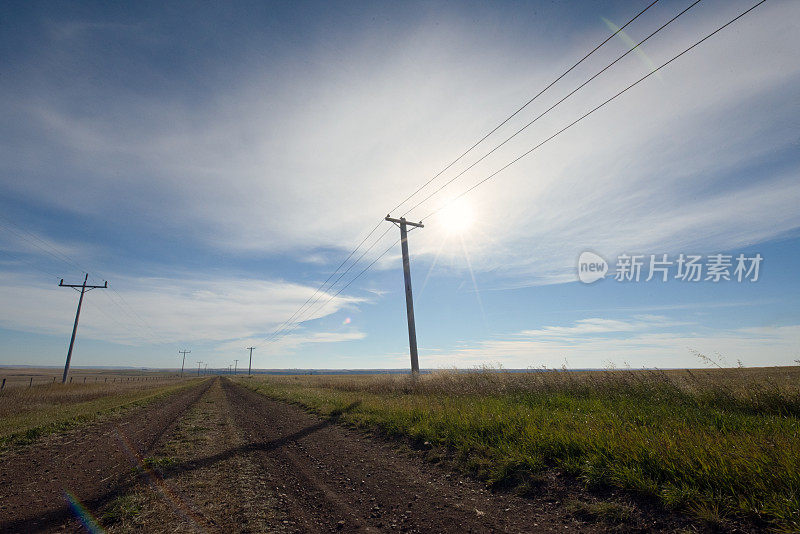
<point>485,451</point>
<point>16,377</point>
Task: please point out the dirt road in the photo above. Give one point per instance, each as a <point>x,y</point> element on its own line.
<point>221,458</point>
<point>89,463</point>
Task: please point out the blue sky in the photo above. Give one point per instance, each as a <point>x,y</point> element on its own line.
<point>217,162</point>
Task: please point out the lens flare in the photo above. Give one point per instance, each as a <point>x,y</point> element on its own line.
<point>630,43</point>
<point>86,518</point>
<point>456,217</point>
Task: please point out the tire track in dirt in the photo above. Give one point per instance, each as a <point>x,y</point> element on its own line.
<point>90,463</point>
<point>208,481</point>
<point>331,478</point>
<point>266,466</point>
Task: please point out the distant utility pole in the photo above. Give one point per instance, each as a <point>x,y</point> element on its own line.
<point>184,352</point>
<point>235,366</point>
<point>412,330</point>
<point>198,368</point>
<point>84,289</point>
<point>205,369</point>
<point>250,367</point>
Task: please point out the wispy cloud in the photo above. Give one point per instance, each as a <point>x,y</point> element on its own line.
<point>589,342</point>
<point>161,310</point>
<point>601,326</point>
<point>288,158</point>
<point>668,169</point>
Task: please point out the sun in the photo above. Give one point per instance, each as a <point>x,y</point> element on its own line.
<point>456,217</point>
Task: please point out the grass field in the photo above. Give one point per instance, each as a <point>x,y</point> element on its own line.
<point>23,377</point>
<point>722,445</point>
<point>27,413</point>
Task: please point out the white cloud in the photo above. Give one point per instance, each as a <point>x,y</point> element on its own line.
<point>348,140</point>
<point>161,310</point>
<point>585,344</point>
<point>305,153</point>
<point>287,342</point>
<point>600,326</point>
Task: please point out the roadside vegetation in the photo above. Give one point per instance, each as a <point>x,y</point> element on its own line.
<point>722,445</point>
<point>26,414</point>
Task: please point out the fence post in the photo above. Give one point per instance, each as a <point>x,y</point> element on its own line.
<point>31,382</point>
<point>4,384</point>
<point>70,380</point>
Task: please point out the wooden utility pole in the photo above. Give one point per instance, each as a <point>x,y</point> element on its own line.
<point>84,289</point>
<point>412,330</point>
<point>198,368</point>
<point>250,367</point>
<point>184,352</point>
<point>235,366</point>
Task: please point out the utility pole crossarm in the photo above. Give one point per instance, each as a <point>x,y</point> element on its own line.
<point>402,220</point>
<point>62,284</point>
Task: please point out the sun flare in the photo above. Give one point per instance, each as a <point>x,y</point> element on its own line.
<point>457,217</point>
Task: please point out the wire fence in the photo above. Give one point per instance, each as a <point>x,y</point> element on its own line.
<point>40,381</point>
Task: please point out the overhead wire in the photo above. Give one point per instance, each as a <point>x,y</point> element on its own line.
<point>581,118</point>
<point>356,277</point>
<point>552,107</point>
<point>525,105</point>
<point>309,312</point>
<point>447,167</point>
<point>590,112</point>
<point>59,255</point>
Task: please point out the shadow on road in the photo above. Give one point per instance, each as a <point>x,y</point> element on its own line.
<point>57,516</point>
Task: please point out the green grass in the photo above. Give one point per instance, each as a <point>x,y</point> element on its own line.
<point>720,445</point>
<point>122,509</point>
<point>48,411</point>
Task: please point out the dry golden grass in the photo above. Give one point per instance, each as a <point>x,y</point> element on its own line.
<point>26,413</point>
<point>721,444</point>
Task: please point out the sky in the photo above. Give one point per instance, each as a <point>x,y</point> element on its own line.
<point>217,162</point>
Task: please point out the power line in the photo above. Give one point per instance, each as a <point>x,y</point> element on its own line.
<point>526,104</point>
<point>356,277</point>
<point>585,115</point>
<point>54,252</point>
<point>305,317</point>
<point>557,134</point>
<point>552,107</point>
<point>30,263</point>
<point>61,256</point>
<point>288,322</point>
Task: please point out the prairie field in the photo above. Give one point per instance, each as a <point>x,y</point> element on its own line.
<point>720,445</point>
<point>28,412</point>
